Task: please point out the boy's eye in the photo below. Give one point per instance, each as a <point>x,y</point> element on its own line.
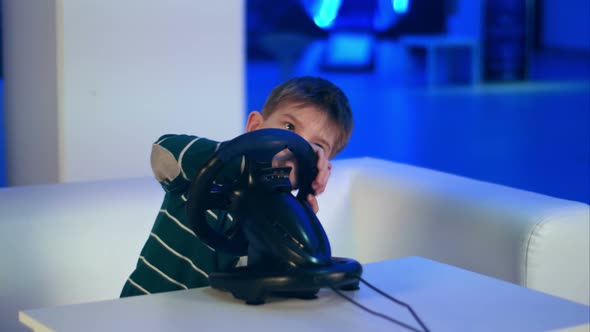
<point>289,126</point>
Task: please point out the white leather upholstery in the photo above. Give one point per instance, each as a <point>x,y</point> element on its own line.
<point>70,243</point>
<point>78,242</point>
<point>377,210</point>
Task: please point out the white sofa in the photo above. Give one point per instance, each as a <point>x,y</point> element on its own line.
<point>78,242</point>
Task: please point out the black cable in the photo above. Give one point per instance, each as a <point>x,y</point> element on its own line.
<point>396,301</point>
<point>373,312</point>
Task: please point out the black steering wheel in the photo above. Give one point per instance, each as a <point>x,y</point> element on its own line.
<point>258,148</point>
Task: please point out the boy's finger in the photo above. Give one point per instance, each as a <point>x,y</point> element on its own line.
<point>319,185</point>
<point>322,165</point>
<point>313,202</point>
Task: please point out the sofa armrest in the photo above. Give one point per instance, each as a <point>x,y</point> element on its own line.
<point>558,254</point>
<point>70,243</point>
<point>390,210</point>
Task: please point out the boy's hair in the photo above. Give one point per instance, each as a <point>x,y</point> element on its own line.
<point>317,92</point>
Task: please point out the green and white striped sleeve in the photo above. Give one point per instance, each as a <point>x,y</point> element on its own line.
<point>176,159</point>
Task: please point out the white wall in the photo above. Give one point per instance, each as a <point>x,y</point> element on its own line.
<point>30,94</point>
<point>125,73</point>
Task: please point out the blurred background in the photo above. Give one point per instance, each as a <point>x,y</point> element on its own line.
<point>493,90</point>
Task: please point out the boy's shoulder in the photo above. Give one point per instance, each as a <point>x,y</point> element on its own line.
<point>175,158</point>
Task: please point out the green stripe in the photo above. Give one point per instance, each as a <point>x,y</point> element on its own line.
<point>174,236</point>
<point>152,281</point>
<point>176,267</point>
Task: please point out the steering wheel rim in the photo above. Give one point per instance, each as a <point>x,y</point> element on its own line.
<point>256,146</point>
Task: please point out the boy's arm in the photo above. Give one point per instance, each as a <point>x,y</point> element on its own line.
<point>175,159</point>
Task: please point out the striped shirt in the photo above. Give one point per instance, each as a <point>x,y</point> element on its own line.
<point>173,258</point>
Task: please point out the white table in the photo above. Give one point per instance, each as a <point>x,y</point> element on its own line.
<point>446,298</point>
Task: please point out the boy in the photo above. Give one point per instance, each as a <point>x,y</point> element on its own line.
<point>173,258</point>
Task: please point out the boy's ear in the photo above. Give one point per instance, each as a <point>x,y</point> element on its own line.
<point>255,120</point>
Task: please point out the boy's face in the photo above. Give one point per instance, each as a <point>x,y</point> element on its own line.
<point>305,120</point>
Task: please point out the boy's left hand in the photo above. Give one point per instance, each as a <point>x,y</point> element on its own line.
<point>285,158</point>
<point>321,181</point>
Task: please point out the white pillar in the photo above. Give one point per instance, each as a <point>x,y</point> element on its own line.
<point>90,84</point>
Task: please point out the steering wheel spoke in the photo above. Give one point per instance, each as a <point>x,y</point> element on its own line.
<point>217,199</point>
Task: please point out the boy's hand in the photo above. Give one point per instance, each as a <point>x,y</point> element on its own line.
<point>285,158</point>
<point>319,184</point>
<point>321,181</point>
